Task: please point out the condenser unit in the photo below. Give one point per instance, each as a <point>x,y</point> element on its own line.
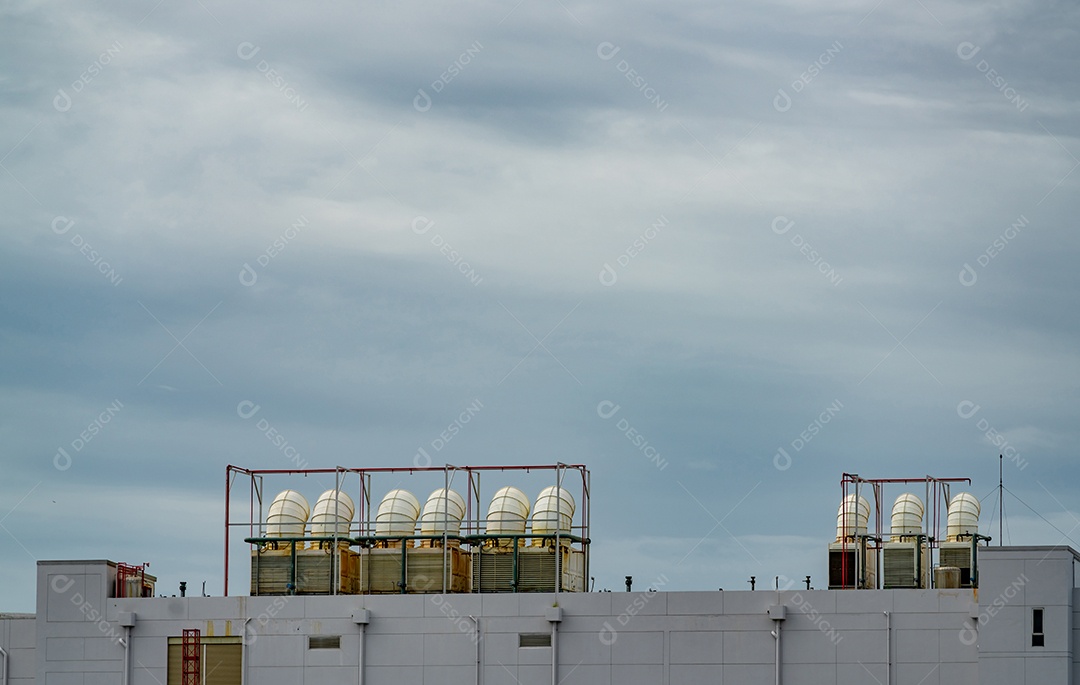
<point>852,565</point>
<point>958,554</point>
<point>905,565</point>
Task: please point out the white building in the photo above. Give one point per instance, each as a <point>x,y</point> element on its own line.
<point>990,635</point>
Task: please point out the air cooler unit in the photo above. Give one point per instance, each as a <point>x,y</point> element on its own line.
<point>957,554</point>
<point>958,549</point>
<point>852,566</point>
<point>903,567</point>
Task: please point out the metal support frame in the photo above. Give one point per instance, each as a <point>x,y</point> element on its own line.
<point>191,657</point>
<point>936,489</point>
<point>127,571</point>
<point>363,525</point>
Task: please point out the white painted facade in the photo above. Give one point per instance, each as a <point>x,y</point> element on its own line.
<point>891,637</point>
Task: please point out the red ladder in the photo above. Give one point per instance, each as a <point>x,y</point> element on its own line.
<point>190,650</point>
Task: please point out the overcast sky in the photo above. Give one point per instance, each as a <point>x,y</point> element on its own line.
<point>776,240</point>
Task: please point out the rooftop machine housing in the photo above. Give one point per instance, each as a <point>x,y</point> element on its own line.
<point>852,561</point>
<point>906,560</point>
<point>297,558</point>
<point>906,556</point>
<point>554,561</point>
<point>446,546</point>
<point>961,546</point>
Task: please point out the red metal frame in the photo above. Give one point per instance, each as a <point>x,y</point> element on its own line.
<point>232,471</point>
<point>125,571</point>
<point>190,657</point>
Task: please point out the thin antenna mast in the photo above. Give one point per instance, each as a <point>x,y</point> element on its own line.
<point>1001,502</point>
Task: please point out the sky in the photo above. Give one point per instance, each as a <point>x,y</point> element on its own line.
<point>720,253</point>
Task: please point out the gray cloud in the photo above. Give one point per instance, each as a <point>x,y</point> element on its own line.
<point>722,218</point>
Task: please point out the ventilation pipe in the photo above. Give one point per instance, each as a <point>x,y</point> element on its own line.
<point>852,517</point>
<point>127,622</point>
<point>397,515</point>
<point>776,658</point>
<point>332,515</point>
<point>777,612</point>
<point>552,513</point>
<point>127,655</point>
<point>508,513</point>
<point>361,618</point>
<point>963,517</point>
<point>287,516</point>
<point>442,513</point>
<point>554,617</point>
<point>907,518</point>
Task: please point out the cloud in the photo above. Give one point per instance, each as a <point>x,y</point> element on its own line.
<point>722,219</point>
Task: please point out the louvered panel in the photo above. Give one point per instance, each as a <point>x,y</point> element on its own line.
<point>493,572</point>
<point>900,567</point>
<point>958,555</point>
<point>534,639</point>
<point>271,572</point>
<point>380,571</point>
<point>425,570</point>
<point>536,571</point>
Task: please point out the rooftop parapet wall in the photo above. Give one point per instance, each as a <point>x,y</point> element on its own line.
<point>643,637</point>
<point>18,638</point>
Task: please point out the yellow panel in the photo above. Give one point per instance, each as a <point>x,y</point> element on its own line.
<point>221,661</point>
<point>221,664</point>
<point>173,671</point>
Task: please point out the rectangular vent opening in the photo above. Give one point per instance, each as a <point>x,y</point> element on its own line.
<point>534,639</point>
<point>324,642</point>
